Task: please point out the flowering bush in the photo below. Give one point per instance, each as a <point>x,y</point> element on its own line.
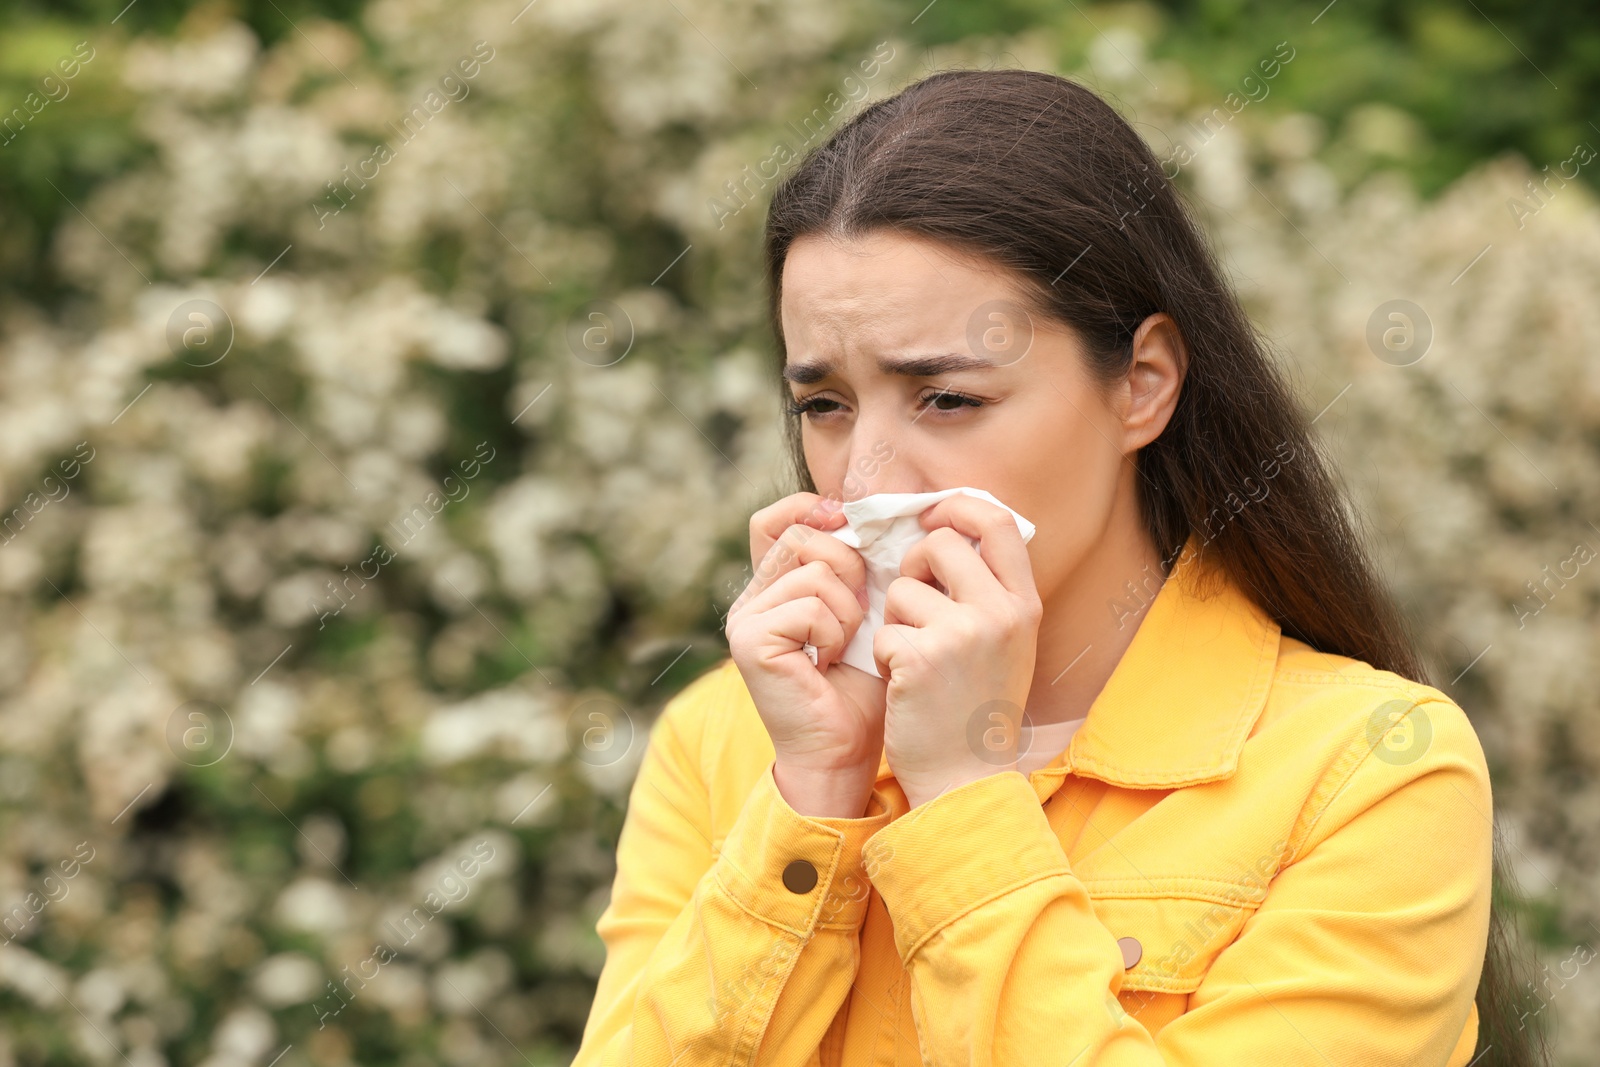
<point>415,394</point>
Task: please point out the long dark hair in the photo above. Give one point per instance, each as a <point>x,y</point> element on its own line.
<point>1039,174</point>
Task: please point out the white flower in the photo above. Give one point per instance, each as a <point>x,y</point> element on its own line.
<point>466,987</point>
<point>246,1034</point>
<point>288,978</point>
<point>463,342</point>
<point>314,905</point>
<point>505,722</point>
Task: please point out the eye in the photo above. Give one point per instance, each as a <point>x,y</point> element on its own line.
<point>811,405</point>
<point>947,400</point>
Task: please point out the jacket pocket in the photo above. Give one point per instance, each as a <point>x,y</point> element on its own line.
<point>1176,927</point>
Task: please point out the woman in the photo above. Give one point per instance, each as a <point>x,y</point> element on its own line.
<point>1161,785</point>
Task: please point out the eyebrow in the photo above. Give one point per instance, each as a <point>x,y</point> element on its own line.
<point>930,366</point>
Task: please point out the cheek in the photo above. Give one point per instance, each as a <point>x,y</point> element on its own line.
<point>1055,456</point>
<point>1066,483</point>
<point>1087,480</point>
<point>815,453</point>
<point>828,460</point>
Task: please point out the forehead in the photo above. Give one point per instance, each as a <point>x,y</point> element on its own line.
<point>883,290</point>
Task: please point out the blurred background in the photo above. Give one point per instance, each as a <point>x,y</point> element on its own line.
<point>385,389</point>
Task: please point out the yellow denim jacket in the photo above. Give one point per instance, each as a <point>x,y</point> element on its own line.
<point>1250,853</point>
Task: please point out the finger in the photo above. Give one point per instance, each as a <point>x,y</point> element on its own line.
<point>896,647</point>
<point>806,509</point>
<point>814,579</point>
<point>801,544</point>
<point>913,602</point>
<point>946,557</point>
<point>1000,543</point>
<point>807,621</point>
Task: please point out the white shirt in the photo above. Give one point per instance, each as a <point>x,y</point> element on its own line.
<point>1038,745</point>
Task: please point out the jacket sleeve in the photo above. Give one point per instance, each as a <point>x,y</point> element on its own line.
<point>1366,949</point>
<point>711,957</point>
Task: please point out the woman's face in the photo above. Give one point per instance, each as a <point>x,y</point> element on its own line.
<point>920,371</point>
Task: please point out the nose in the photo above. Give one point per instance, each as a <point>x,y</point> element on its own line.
<point>881,461</point>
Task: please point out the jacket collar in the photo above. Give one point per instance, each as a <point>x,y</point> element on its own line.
<point>1178,707</point>
<point>1180,703</point>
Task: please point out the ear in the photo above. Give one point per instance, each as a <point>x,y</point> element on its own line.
<point>1149,395</point>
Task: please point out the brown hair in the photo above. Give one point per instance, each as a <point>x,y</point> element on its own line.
<point>1040,175</point>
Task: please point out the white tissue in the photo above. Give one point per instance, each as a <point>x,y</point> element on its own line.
<point>883,527</point>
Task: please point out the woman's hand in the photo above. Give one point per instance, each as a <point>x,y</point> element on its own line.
<point>826,719</point>
<point>960,663</point>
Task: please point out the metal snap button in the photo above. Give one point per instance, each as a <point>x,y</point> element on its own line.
<point>800,877</point>
<point>1132,951</point>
